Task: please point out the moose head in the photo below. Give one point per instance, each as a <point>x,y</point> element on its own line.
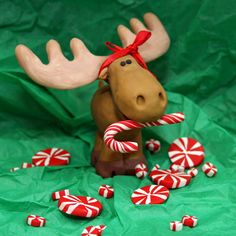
<point>132,91</point>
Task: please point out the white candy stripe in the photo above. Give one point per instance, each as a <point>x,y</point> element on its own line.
<point>127,147</point>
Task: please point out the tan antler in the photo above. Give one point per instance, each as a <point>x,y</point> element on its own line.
<point>156,46</point>
<point>61,73</point>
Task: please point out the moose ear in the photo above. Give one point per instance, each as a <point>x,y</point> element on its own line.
<point>103,74</point>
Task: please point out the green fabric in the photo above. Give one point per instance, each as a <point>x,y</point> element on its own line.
<point>200,76</point>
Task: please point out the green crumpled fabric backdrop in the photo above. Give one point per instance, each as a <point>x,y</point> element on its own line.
<point>199,74</point>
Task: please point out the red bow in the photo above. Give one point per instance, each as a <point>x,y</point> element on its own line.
<point>132,50</point>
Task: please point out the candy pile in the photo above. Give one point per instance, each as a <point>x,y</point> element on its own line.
<point>190,221</point>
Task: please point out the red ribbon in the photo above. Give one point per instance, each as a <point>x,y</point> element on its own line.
<point>132,50</point>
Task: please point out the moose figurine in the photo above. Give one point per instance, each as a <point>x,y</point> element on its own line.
<point>130,90</point>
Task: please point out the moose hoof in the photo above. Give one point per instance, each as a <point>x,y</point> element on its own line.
<point>109,169</point>
<point>131,163</point>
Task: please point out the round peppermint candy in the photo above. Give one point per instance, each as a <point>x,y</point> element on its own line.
<point>51,157</point>
<point>36,221</point>
<point>169,178</point>
<point>186,152</point>
<point>106,191</point>
<point>81,206</point>
<point>151,194</point>
<point>93,230</point>
<point>153,145</point>
<point>141,170</point>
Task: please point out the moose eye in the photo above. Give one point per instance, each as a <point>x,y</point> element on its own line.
<point>128,61</point>
<point>122,63</point>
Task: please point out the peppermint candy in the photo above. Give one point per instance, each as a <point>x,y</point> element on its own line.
<point>61,193</point>
<point>177,168</point>
<point>170,179</point>
<point>153,145</point>
<point>14,169</point>
<point>193,172</point>
<point>93,230</point>
<point>81,206</point>
<point>176,226</point>
<point>186,152</point>
<point>209,169</point>
<point>128,146</point>
<point>51,157</point>
<point>26,165</point>
<point>141,170</point>
<point>36,221</point>
<point>190,221</point>
<point>106,191</point>
<point>151,194</point>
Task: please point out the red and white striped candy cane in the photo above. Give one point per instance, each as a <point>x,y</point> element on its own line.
<point>128,146</point>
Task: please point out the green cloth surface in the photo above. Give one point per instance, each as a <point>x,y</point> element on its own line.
<point>199,75</point>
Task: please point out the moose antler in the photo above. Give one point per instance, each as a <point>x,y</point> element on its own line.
<point>158,43</point>
<point>61,73</point>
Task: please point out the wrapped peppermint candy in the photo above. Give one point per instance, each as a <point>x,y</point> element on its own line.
<point>193,172</point>
<point>36,221</point>
<point>190,221</point>
<point>106,191</point>
<point>56,195</point>
<point>141,170</point>
<point>176,226</point>
<point>153,145</point>
<point>209,169</point>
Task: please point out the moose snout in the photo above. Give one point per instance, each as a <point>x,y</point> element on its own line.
<point>149,106</point>
<point>141,99</point>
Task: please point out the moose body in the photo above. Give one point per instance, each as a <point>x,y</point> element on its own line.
<point>132,92</point>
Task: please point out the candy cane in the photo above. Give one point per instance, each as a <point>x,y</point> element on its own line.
<point>128,146</point>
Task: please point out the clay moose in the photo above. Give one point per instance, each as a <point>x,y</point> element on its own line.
<point>131,92</point>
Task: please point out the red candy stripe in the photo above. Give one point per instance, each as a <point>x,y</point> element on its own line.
<point>26,165</point>
<point>128,146</point>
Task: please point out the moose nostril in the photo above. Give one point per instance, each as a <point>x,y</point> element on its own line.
<point>161,95</point>
<point>122,63</point>
<point>140,100</point>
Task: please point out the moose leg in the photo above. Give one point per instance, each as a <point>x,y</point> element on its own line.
<point>97,149</point>
<point>109,163</point>
<point>132,159</point>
